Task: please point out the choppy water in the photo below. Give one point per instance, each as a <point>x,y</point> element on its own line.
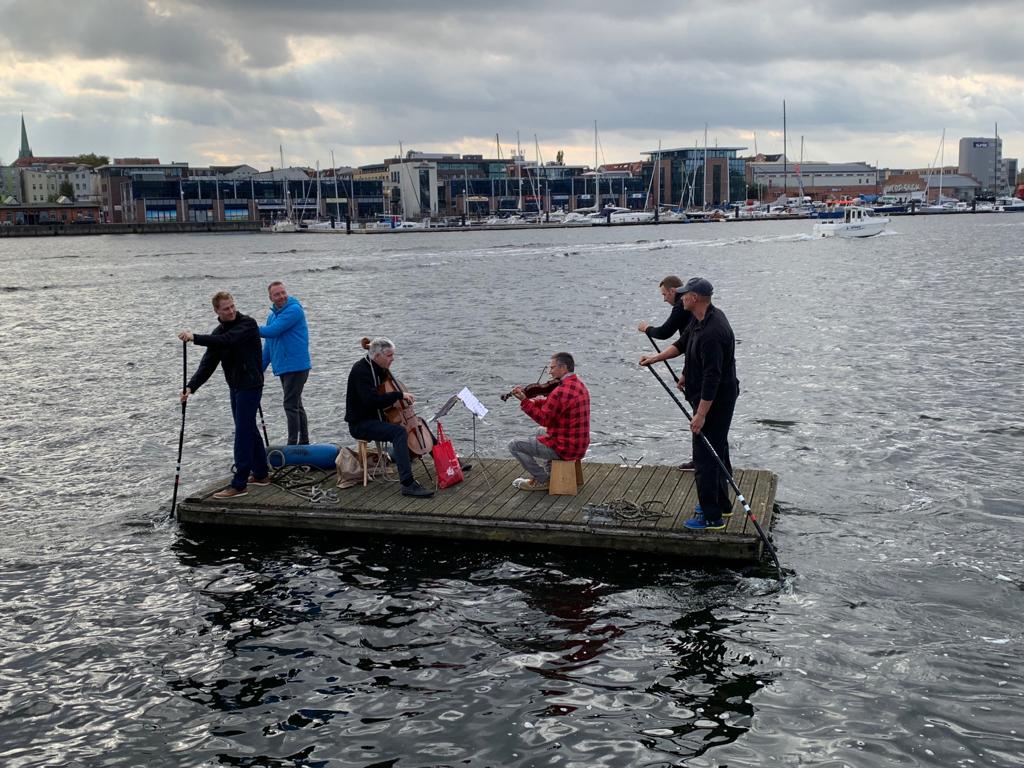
<point>882,380</point>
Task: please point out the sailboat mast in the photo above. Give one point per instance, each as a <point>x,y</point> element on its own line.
<point>337,205</point>
<point>519,172</point>
<point>785,166</point>
<point>318,190</point>
<point>597,176</point>
<point>704,191</point>
<point>942,164</point>
<point>284,186</point>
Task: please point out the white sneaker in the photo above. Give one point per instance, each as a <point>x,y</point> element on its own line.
<point>518,482</point>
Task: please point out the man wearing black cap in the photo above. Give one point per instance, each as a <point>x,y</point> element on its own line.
<point>710,385</point>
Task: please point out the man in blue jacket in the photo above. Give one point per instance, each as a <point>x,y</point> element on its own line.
<point>235,346</point>
<point>287,350</point>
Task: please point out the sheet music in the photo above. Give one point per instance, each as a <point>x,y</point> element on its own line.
<point>469,400</point>
<point>445,408</point>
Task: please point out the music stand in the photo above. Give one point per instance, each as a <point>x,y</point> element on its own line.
<point>479,410</point>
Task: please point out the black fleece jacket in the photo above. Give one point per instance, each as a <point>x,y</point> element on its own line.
<point>678,321</point>
<point>238,349</point>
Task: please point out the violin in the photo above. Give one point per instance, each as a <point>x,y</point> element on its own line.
<point>418,435</point>
<point>536,389</point>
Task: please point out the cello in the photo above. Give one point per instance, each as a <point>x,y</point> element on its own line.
<point>418,435</point>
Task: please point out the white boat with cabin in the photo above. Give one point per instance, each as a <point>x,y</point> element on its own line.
<point>857,221</point>
<point>1009,205</point>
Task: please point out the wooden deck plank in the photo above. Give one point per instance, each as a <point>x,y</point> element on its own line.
<point>760,507</point>
<point>658,496</point>
<point>678,489</point>
<point>485,507</point>
<point>484,486</point>
<point>496,492</point>
<point>594,477</point>
<point>745,480</point>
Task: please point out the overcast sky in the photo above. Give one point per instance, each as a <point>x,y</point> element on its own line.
<point>228,81</point>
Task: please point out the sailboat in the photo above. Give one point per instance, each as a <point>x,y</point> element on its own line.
<point>940,205</point>
<point>287,224</point>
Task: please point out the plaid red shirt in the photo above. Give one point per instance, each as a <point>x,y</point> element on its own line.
<point>566,414</point>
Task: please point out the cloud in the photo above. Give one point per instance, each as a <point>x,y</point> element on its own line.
<point>177,77</point>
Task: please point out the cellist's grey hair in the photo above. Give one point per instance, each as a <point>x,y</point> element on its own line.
<point>380,344</point>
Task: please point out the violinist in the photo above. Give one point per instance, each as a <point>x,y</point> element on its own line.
<point>565,414</point>
<point>365,404</point>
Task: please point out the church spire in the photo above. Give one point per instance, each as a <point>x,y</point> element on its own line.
<point>26,150</point>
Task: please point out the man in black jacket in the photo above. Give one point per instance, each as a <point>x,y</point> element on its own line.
<point>235,344</point>
<point>710,385</point>
<point>365,406</point>
<point>678,321</point>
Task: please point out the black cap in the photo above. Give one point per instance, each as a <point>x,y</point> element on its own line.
<point>696,285</point>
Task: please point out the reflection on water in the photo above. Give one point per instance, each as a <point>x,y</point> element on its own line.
<point>888,405</point>
<point>465,655</point>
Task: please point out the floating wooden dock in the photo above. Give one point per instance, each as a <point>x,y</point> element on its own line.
<point>486,507</point>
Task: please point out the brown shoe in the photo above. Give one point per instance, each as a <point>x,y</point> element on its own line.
<point>529,484</point>
<point>230,493</point>
<point>686,466</point>
<point>253,480</point>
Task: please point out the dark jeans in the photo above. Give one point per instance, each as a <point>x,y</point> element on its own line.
<point>250,452</point>
<point>292,384</point>
<point>712,487</point>
<point>387,433</point>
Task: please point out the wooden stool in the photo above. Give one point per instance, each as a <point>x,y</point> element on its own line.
<point>566,477</point>
<point>362,446</point>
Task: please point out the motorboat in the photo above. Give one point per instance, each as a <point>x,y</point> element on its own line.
<point>618,215</point>
<point>1009,205</point>
<point>284,226</point>
<point>575,217</point>
<point>392,221</point>
<point>857,221</point>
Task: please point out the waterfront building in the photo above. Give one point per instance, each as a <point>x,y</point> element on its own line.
<point>48,213</point>
<point>420,185</point>
<point>1009,171</point>
<point>982,158</point>
<point>137,190</point>
<point>45,182</point>
<point>10,183</point>
<point>931,187</point>
<point>817,180</point>
<point>697,176</point>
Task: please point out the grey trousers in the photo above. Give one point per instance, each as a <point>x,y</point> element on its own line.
<point>298,429</point>
<point>534,456</point>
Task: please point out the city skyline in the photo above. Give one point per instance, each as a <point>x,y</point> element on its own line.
<point>226,82</point>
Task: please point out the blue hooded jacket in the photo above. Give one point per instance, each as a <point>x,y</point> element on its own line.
<point>287,338</point>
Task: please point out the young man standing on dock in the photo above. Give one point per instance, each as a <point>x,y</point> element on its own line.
<point>565,412</point>
<point>678,321</point>
<point>287,350</point>
<point>711,388</point>
<point>235,345</point>
<point>365,404</point>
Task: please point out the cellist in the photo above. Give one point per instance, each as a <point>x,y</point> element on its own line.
<point>365,405</point>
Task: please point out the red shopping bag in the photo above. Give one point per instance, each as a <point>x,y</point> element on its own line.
<point>446,463</point>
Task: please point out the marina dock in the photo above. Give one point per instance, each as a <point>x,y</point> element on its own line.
<point>637,509</point>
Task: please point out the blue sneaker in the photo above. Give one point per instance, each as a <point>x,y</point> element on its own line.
<point>700,524</point>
